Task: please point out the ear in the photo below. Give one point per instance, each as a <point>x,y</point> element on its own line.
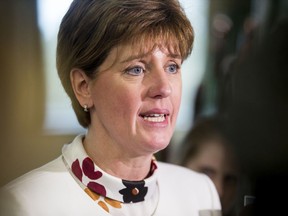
<point>80,84</point>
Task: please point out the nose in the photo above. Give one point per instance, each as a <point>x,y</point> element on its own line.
<point>159,84</point>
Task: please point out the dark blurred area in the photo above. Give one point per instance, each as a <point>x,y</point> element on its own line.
<point>257,105</point>
<point>246,82</point>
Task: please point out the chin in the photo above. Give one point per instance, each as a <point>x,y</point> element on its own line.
<point>158,145</point>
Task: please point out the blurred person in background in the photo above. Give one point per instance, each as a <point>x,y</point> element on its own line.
<point>258,108</point>
<point>205,149</point>
<point>120,63</point>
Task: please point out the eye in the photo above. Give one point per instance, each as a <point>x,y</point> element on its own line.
<point>208,171</point>
<point>172,68</point>
<point>135,71</point>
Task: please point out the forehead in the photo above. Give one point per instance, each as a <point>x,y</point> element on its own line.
<point>148,42</point>
<point>140,46</point>
<point>136,50</point>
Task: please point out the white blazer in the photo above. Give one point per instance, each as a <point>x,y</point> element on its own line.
<point>51,191</point>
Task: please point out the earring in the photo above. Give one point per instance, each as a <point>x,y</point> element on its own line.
<point>85,108</point>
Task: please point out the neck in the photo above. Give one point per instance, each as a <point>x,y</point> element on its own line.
<point>110,158</point>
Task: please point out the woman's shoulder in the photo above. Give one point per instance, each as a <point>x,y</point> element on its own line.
<point>187,183</point>
<point>189,186</point>
<point>46,191</point>
<point>186,178</point>
<point>46,171</point>
<point>38,189</point>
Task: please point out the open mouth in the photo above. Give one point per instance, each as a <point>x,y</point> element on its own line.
<point>154,117</point>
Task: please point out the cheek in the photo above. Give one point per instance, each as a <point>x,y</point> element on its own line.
<point>177,99</point>
<point>125,104</point>
<point>177,96</point>
<point>120,102</point>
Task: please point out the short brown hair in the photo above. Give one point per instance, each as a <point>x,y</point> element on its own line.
<point>91,28</point>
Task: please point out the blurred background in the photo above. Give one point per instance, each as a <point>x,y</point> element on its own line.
<point>36,117</point>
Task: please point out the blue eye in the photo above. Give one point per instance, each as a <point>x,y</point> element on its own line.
<point>135,71</point>
<point>173,68</point>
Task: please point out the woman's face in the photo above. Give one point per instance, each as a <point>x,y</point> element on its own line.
<point>136,98</point>
<point>218,162</point>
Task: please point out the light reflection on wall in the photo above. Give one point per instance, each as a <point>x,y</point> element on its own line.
<point>59,115</point>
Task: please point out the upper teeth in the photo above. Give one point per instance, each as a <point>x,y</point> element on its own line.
<point>155,117</point>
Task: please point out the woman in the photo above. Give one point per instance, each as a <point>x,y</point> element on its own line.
<point>206,149</point>
<point>120,63</point>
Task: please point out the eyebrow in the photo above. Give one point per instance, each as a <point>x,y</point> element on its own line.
<point>142,55</point>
